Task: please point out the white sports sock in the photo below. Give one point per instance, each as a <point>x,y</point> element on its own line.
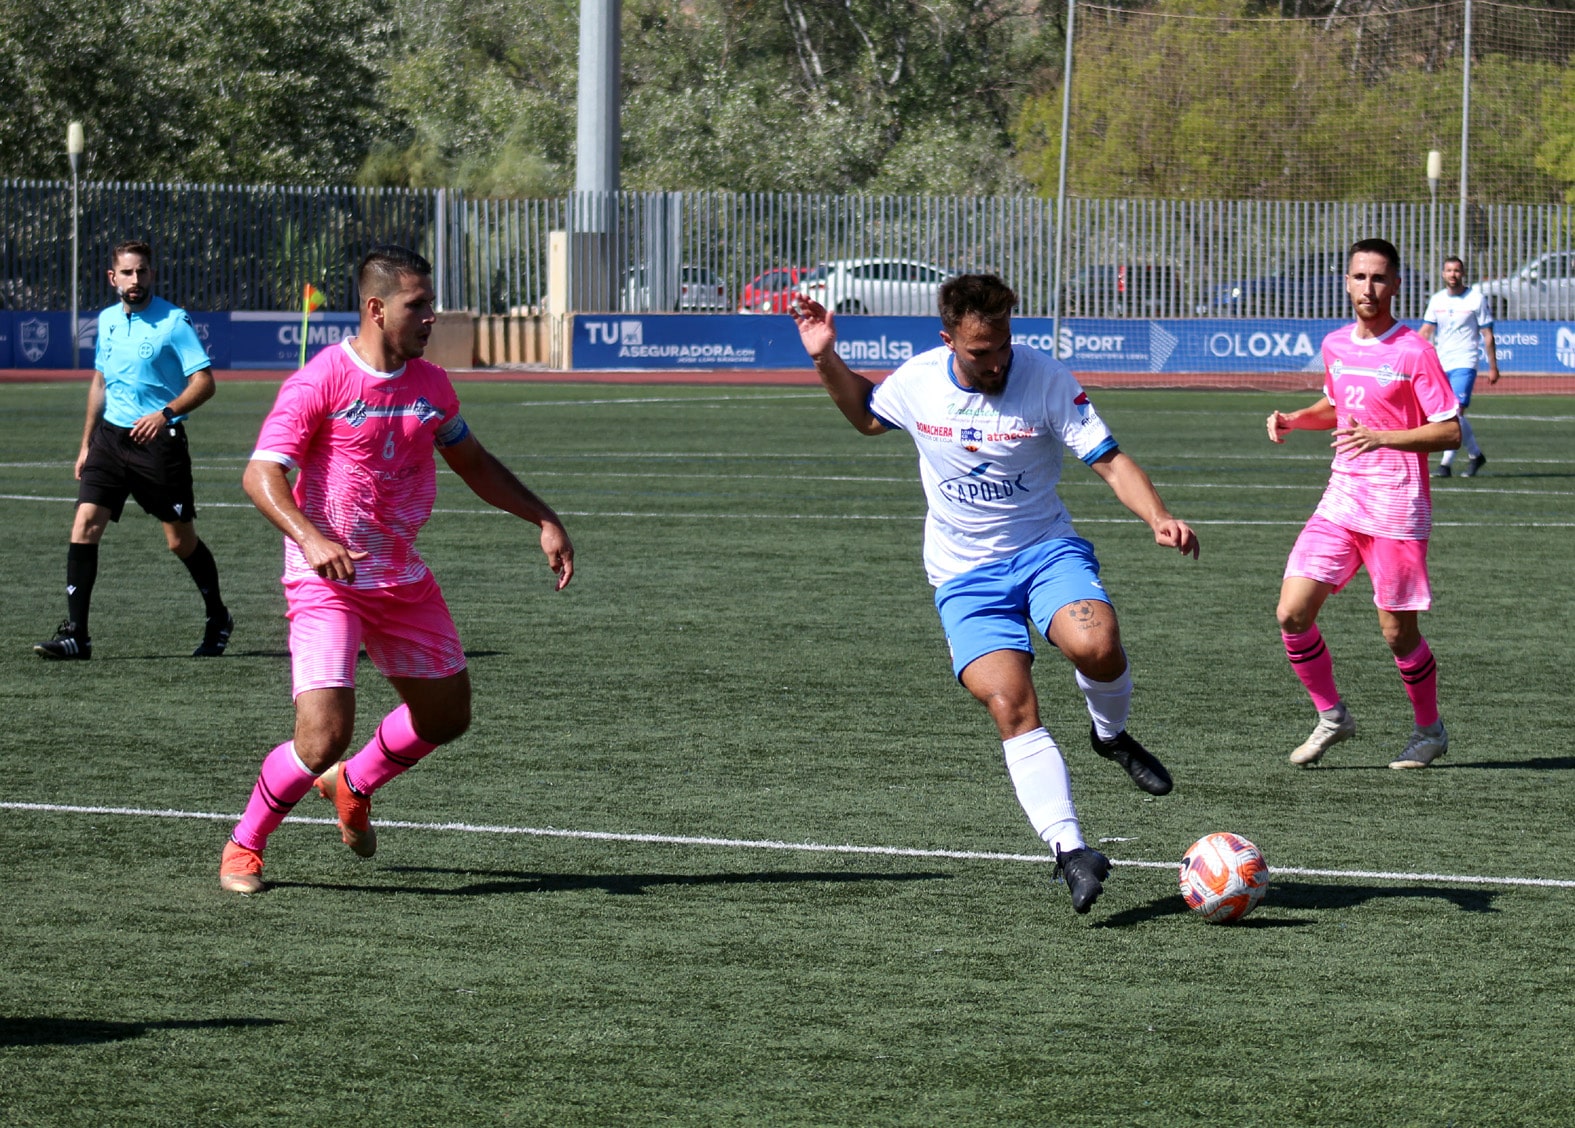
<point>1043,788</point>
<point>1109,703</point>
<point>1468,440</point>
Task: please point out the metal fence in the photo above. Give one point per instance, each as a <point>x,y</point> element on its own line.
<point>216,247</point>
<point>236,247</point>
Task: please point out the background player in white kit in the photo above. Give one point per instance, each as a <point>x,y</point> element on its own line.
<point>991,422</point>
<point>1456,317</point>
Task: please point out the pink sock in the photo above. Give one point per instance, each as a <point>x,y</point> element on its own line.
<point>394,748</point>
<point>282,783</point>
<point>1311,661</point>
<point>1420,674</point>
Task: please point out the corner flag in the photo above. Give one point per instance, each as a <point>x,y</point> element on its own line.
<point>311,299</point>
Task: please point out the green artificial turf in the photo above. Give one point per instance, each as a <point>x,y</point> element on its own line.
<point>748,665</point>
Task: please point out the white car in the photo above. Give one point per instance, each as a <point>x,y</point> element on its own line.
<point>694,289</point>
<point>878,286</point>
<point>1543,288</point>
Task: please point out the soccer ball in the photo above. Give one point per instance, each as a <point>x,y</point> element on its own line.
<point>1223,877</point>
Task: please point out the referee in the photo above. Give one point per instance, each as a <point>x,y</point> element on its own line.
<point>151,372</point>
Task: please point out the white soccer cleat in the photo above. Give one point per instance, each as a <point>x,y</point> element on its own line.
<point>1329,732</point>
<point>1425,746</point>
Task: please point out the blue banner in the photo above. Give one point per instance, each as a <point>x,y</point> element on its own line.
<point>273,340</point>
<point>233,340</point>
<point>678,341</point>
<point>770,341</point>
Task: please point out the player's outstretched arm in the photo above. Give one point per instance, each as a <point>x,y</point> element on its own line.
<point>495,484</point>
<point>1316,416</point>
<point>849,391</point>
<point>268,485</point>
<point>1133,489</point>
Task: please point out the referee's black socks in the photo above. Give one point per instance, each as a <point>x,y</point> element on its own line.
<point>81,571</point>
<point>206,575</point>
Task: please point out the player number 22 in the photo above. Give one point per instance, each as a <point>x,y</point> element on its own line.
<point>1355,397</point>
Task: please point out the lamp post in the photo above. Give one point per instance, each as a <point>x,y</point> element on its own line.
<point>1435,170</point>
<point>74,153</point>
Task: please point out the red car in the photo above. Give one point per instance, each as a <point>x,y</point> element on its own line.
<point>770,292</point>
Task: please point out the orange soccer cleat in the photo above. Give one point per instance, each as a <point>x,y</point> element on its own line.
<point>355,811</point>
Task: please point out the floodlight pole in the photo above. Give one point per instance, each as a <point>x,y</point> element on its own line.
<point>74,146</point>
<point>1435,170</point>
<point>1465,122</point>
<point>1060,191</point>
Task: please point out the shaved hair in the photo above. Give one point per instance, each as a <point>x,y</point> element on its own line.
<point>383,268</point>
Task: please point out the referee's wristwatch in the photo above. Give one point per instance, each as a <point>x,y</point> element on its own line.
<point>169,416</point>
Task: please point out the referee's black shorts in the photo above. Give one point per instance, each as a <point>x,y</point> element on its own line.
<point>157,473</point>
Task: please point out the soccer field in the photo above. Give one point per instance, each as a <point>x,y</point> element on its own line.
<point>727,845</point>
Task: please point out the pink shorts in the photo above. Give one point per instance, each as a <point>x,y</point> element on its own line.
<point>1330,554</point>
<point>407,631</point>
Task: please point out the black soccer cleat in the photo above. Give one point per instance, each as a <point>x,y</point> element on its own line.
<point>1146,771</point>
<point>215,637</point>
<point>1477,462</point>
<point>69,644</point>
<point>1085,870</point>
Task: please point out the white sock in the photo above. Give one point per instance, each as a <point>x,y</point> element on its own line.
<point>1468,440</point>
<point>1043,788</point>
<point>1109,703</point>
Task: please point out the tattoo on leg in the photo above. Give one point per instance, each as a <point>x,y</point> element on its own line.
<point>1081,613</point>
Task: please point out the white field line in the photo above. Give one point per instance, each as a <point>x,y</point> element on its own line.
<point>637,515</point>
<point>769,844</point>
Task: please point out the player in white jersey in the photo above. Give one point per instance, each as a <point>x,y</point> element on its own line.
<point>1388,403</point>
<point>1459,323</point>
<point>991,422</point>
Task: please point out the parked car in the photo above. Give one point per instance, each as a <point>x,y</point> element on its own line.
<point>879,286</point>
<point>1543,288</point>
<point>698,290</point>
<point>1122,290</point>
<point>770,292</point>
<point>1308,286</point>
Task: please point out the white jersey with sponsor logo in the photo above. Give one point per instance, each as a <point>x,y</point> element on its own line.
<point>990,464</point>
<point>1459,320</point>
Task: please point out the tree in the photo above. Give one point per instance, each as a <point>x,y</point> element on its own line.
<point>1195,101</point>
<point>189,90</point>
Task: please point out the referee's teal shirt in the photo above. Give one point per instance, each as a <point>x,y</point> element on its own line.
<point>146,358</point>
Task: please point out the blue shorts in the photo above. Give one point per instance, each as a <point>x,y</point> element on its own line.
<point>989,608</point>
<point>1462,380</point>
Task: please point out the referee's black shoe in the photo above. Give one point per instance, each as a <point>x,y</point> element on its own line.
<point>1085,870</point>
<point>215,636</point>
<point>1146,771</point>
<point>68,645</point>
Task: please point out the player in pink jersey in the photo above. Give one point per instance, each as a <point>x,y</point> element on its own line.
<point>360,423</point>
<point>1389,404</point>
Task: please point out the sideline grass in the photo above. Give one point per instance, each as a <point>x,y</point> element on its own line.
<point>749,652</point>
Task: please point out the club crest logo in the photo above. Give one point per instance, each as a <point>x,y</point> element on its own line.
<point>354,415</point>
<point>33,336</point>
